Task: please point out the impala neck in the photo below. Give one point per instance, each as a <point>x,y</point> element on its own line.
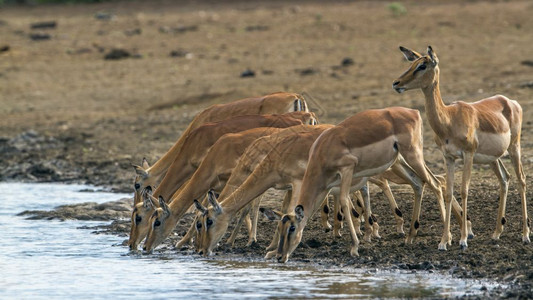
<point>436,110</point>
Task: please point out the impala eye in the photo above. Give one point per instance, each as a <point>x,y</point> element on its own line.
<point>157,223</point>
<point>292,228</point>
<point>138,219</point>
<point>137,186</point>
<point>208,222</point>
<point>422,67</point>
<point>198,225</point>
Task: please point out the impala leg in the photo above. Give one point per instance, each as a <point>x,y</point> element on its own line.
<point>404,171</point>
<point>503,178</point>
<point>252,238</point>
<point>514,153</point>
<point>446,234</point>
<point>242,217</point>
<point>369,218</point>
<point>337,219</point>
<point>188,237</point>
<point>357,211</point>
<point>383,184</point>
<point>284,207</point>
<point>324,214</point>
<point>346,180</point>
<point>458,213</point>
<point>468,159</point>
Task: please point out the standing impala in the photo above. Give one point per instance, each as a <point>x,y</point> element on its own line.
<point>363,145</point>
<point>276,103</point>
<point>478,132</point>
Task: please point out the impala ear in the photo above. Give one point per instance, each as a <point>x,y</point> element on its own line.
<point>299,211</point>
<point>213,201</point>
<point>145,163</point>
<point>147,201</point>
<point>164,205</point>
<point>140,171</point>
<point>271,214</point>
<point>200,207</point>
<point>433,55</point>
<point>409,54</point>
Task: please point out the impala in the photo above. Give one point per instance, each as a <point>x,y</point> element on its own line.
<point>194,150</point>
<point>479,132</point>
<point>276,103</point>
<point>363,145</point>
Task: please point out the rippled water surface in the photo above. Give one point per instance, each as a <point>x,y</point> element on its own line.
<point>53,259</point>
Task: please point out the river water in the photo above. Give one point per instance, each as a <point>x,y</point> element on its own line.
<point>43,259</point>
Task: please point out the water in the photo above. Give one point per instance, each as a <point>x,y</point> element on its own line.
<point>52,259</point>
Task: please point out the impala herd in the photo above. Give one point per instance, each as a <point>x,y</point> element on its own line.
<point>230,154</point>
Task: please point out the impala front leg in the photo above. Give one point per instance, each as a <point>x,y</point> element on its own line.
<point>468,158</point>
<point>274,243</point>
<point>346,180</point>
<point>188,237</point>
<point>446,234</point>
<point>371,226</point>
<point>514,153</point>
<point>324,214</point>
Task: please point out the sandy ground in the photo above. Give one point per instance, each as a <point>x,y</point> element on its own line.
<point>68,114</point>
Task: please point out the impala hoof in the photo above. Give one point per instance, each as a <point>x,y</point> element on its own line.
<point>442,246</point>
<point>526,240</point>
<point>496,236</point>
<point>354,252</point>
<point>270,254</point>
<point>463,245</point>
<point>251,243</point>
<point>367,238</point>
<point>409,240</point>
<point>470,236</point>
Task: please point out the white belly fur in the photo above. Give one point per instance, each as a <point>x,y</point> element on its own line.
<point>491,146</point>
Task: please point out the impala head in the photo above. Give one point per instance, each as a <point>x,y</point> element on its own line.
<point>140,219</point>
<point>422,72</point>
<point>211,225</point>
<point>160,225</point>
<point>313,120</point>
<point>290,229</point>
<point>142,180</point>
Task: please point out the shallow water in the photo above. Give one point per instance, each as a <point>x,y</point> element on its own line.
<point>54,259</point>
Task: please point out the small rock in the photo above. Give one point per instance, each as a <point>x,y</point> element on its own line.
<point>307,71</point>
<point>136,31</point>
<point>40,36</point>
<point>528,84</point>
<point>4,48</point>
<point>347,62</point>
<point>178,53</point>
<point>527,62</point>
<point>104,16</point>
<point>116,54</point>
<point>44,25</point>
<point>248,73</point>
<point>256,28</point>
